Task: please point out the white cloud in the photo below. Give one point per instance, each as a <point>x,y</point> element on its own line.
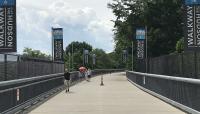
<point>80,24</point>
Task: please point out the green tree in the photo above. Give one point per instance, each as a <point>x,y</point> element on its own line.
<point>164,19</point>
<point>103,60</point>
<point>28,52</point>
<point>180,46</point>
<point>74,53</point>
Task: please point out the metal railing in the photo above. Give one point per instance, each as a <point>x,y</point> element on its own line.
<point>18,92</point>
<point>181,92</point>
<point>185,64</point>
<point>17,67</point>
<point>15,95</point>
<point>105,71</point>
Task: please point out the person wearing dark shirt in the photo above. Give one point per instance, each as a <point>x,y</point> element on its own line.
<point>67,79</point>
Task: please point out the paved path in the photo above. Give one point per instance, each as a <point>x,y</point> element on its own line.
<point>118,96</point>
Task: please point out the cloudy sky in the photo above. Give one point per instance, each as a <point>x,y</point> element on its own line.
<point>82,20</point>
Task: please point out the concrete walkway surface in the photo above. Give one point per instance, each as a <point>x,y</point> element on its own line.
<point>117,96</point>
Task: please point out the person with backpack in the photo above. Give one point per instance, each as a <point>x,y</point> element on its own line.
<point>67,79</point>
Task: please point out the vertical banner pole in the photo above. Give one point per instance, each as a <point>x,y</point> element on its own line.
<point>69,61</point>
<point>52,44</point>
<point>5,68</point>
<point>146,57</point>
<point>83,57</point>
<point>8,26</point>
<point>141,36</point>
<point>146,49</point>
<point>72,56</point>
<point>132,55</point>
<point>57,35</point>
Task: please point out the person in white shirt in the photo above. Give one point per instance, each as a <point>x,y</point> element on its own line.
<point>89,73</point>
<point>86,75</point>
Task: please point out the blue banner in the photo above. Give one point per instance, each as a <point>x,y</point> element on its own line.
<point>7,2</point>
<point>140,34</point>
<point>8,37</point>
<point>57,33</point>
<point>192,2</point>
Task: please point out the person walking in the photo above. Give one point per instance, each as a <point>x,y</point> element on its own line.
<point>89,72</point>
<point>67,79</point>
<point>86,75</point>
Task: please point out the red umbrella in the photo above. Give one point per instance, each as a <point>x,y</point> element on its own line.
<point>82,69</point>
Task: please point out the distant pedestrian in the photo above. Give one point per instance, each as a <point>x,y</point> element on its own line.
<point>67,79</point>
<point>86,75</point>
<point>89,72</point>
<point>82,71</point>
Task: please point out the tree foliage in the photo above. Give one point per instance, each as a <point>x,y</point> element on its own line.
<point>104,60</point>
<point>74,54</point>
<point>74,57</point>
<point>164,19</point>
<point>29,52</point>
<point>180,46</point>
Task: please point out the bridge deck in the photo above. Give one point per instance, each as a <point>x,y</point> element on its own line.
<point>118,96</point>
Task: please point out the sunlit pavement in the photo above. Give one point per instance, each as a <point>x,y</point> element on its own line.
<point>117,96</point>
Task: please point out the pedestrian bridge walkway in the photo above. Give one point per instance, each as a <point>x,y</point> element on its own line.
<point>117,96</point>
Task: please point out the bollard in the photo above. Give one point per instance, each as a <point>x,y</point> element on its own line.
<point>102,81</point>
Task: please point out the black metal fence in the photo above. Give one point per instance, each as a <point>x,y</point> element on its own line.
<point>181,65</point>
<point>15,95</point>
<point>16,67</point>
<point>185,91</point>
<point>105,71</point>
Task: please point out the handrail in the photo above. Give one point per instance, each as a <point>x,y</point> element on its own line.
<point>29,91</point>
<point>109,69</point>
<point>180,79</point>
<point>11,82</point>
<point>5,83</point>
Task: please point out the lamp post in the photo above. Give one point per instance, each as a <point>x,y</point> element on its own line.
<point>93,60</point>
<point>85,57</point>
<point>72,56</point>
<point>124,55</point>
<point>69,54</point>
<point>132,55</point>
<point>146,35</point>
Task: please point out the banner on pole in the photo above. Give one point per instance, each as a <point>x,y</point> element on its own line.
<point>86,56</point>
<point>141,38</point>
<point>57,34</point>
<point>140,49</point>
<point>140,34</point>
<point>124,55</point>
<point>192,2</point>
<point>94,59</point>
<point>192,26</point>
<point>8,26</point>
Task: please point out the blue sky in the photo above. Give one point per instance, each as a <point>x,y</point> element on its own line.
<point>82,20</point>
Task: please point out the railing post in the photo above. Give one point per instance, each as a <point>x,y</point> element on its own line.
<point>195,65</point>
<point>18,60</point>
<point>182,62</point>
<point>52,68</point>
<point>5,68</point>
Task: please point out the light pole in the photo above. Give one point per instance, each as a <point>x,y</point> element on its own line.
<point>85,57</point>
<point>93,60</point>
<point>72,56</point>
<point>69,61</point>
<point>124,55</point>
<point>146,49</point>
<point>132,55</point>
